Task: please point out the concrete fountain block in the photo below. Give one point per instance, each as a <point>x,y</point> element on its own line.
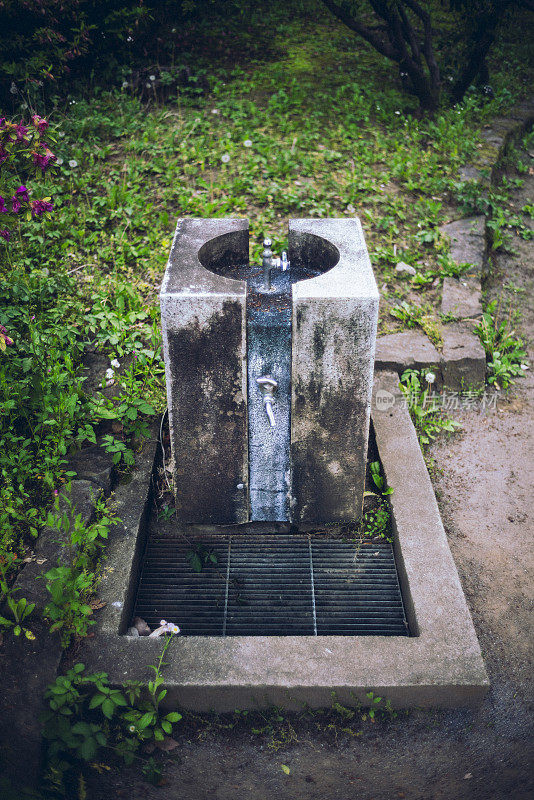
<point>204,339</point>
<point>334,325</point>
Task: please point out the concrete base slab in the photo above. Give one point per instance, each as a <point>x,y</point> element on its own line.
<point>440,665</point>
<point>406,350</point>
<point>464,359</point>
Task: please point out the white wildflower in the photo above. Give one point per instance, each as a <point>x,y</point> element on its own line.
<point>351,209</point>
<point>73,163</point>
<point>247,143</point>
<point>132,728</point>
<point>152,77</point>
<point>59,161</point>
<point>110,374</point>
<point>125,84</point>
<point>115,363</point>
<point>215,111</point>
<point>430,377</point>
<point>225,158</point>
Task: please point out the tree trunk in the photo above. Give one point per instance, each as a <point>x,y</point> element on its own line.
<point>480,43</point>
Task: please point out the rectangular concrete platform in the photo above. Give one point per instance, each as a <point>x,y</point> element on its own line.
<point>439,666</point>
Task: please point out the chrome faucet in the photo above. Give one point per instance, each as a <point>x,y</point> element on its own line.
<point>267,262</point>
<point>268,387</point>
<point>270,263</point>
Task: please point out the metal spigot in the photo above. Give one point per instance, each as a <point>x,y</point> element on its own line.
<point>268,387</point>
<point>267,262</point>
<point>270,263</point>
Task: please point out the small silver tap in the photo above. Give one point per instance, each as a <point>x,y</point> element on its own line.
<point>267,262</point>
<point>268,387</point>
<point>270,263</point>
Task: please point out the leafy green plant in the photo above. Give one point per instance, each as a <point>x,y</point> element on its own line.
<point>146,720</point>
<point>376,523</point>
<point>379,479</point>
<point>412,316</point>
<point>201,556</point>
<point>427,416</point>
<point>20,609</point>
<point>86,717</point>
<point>505,351</point>
<point>72,582</point>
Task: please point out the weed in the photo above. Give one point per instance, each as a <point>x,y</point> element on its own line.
<point>72,582</point>
<point>412,316</point>
<point>505,351</point>
<point>424,409</point>
<point>86,717</point>
<point>379,480</point>
<point>201,556</point>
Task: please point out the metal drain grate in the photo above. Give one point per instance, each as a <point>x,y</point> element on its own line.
<point>273,586</point>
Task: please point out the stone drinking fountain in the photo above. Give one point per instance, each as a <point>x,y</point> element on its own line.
<point>269,373</point>
<point>271,392</point>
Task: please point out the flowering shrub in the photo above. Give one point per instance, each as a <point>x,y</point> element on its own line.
<point>23,153</point>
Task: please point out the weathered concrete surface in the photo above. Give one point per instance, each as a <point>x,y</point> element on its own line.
<point>468,240</point>
<point>95,465</point>
<point>462,298</point>
<point>28,666</point>
<point>126,541</point>
<point>204,337</point>
<point>406,350</point>
<point>442,665</point>
<point>334,332</point>
<point>464,359</point>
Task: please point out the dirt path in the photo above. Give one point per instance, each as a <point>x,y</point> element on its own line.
<point>484,484</point>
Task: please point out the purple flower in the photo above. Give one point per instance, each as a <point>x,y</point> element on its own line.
<point>21,130</point>
<point>40,207</point>
<point>3,331</point>
<point>40,123</point>
<point>3,207</point>
<point>22,193</point>
<point>16,205</point>
<point>5,234</point>
<point>41,160</point>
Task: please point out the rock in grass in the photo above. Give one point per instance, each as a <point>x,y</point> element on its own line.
<point>403,267</point>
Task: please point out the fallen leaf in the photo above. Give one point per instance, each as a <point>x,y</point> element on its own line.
<point>97,604</point>
<point>285,769</point>
<point>467,776</point>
